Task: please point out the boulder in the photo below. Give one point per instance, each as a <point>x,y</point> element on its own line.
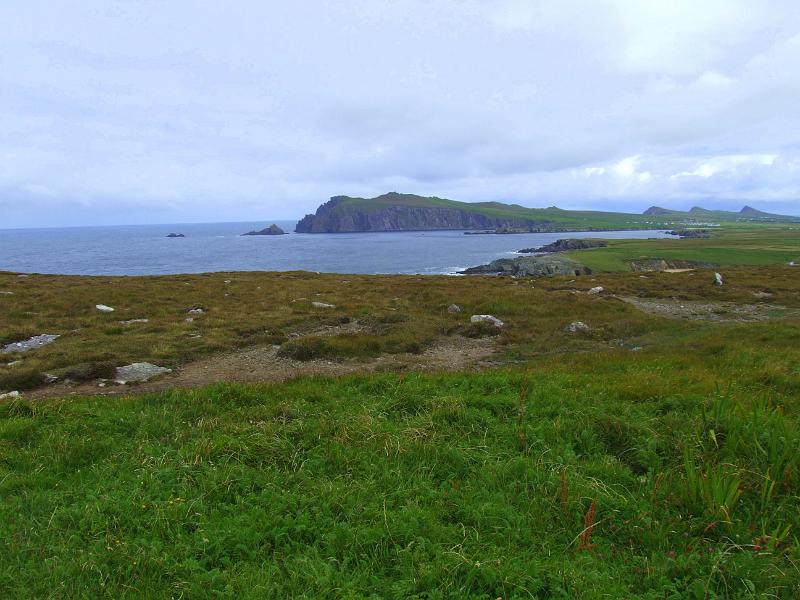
<point>322,305</point>
<point>596,290</point>
<point>718,279</point>
<point>134,321</point>
<point>104,308</point>
<point>36,341</point>
<point>577,327</point>
<point>139,372</point>
<point>197,310</point>
<point>454,309</point>
<point>10,395</point>
<point>6,293</point>
<point>486,319</point>
<point>271,230</point>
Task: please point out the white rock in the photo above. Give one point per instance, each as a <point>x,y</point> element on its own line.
<point>718,279</point>
<point>322,305</point>
<point>596,290</point>
<point>138,372</point>
<point>577,327</point>
<point>36,341</point>
<point>104,308</point>
<point>454,309</point>
<point>6,293</point>
<point>132,321</point>
<point>792,264</point>
<point>196,311</point>
<point>10,395</point>
<point>486,319</point>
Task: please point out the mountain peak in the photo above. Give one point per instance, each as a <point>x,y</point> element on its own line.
<point>656,210</point>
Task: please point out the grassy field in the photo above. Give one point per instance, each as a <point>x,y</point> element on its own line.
<point>393,314</point>
<point>729,246</point>
<point>655,455</point>
<point>666,473</point>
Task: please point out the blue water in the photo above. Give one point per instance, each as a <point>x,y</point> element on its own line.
<point>144,249</point>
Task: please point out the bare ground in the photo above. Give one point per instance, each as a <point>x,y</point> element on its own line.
<point>261,364</point>
<point>709,311</point>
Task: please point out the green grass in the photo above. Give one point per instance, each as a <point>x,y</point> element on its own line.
<point>439,486</point>
<point>733,246</point>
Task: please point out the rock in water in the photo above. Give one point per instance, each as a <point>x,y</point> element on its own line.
<point>36,341</point>
<point>486,319</point>
<point>577,327</point>
<point>176,235</point>
<point>271,230</point>
<point>139,372</point>
<point>104,308</point>
<point>454,309</point>
<point>718,279</point>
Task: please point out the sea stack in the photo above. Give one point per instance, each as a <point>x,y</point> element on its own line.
<point>271,230</point>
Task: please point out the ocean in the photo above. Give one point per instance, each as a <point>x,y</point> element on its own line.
<point>209,247</point>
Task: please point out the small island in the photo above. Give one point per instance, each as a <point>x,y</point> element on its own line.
<point>271,230</point>
<point>175,235</point>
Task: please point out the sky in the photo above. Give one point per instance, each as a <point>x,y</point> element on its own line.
<point>170,111</point>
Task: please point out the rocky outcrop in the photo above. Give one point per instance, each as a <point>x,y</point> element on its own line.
<point>33,343</point>
<point>531,266</point>
<point>659,264</point>
<point>690,233</point>
<point>271,230</point>
<point>340,216</point>
<point>139,372</point>
<point>565,245</point>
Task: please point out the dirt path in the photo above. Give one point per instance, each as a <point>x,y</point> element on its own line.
<point>709,311</point>
<point>262,364</point>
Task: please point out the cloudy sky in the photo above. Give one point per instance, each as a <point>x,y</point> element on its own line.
<point>161,111</point>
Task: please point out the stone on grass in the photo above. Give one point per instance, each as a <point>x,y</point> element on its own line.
<point>133,321</point>
<point>10,395</point>
<point>6,293</point>
<point>36,341</point>
<point>104,308</point>
<point>197,310</point>
<point>596,290</point>
<point>322,305</point>
<point>454,309</point>
<point>577,327</point>
<point>139,372</point>
<point>486,319</point>
<point>718,279</point>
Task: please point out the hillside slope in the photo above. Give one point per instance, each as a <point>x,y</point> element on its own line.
<point>409,212</point>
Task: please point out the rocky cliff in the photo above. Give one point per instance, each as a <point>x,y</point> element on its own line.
<point>342,215</point>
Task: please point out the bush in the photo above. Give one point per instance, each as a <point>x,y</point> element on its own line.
<point>88,371</point>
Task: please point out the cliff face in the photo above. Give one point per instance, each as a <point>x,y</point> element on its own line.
<point>334,217</point>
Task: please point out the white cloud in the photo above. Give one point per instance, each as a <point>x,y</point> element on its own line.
<point>198,111</point>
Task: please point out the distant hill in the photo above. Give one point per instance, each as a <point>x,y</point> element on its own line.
<point>748,213</point>
<point>409,212</point>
